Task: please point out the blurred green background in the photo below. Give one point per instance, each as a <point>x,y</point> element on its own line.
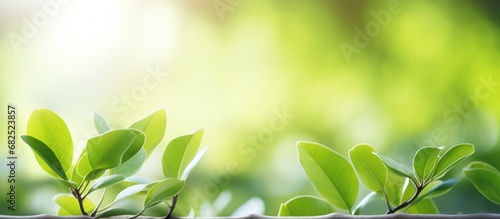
<point>257,76</point>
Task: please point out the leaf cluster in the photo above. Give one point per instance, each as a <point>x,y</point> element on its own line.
<point>112,157</point>
<point>403,188</point>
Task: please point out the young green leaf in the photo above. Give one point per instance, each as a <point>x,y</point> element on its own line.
<point>179,153</point>
<point>129,191</point>
<point>75,177</point>
<point>437,188</point>
<point>394,187</point>
<point>486,179</point>
<point>305,206</point>
<point>69,205</point>
<point>83,166</point>
<point>49,128</point>
<point>138,180</point>
<point>371,171</point>
<point>153,126</point>
<point>396,167</point>
<point>371,196</point>
<point>162,191</point>
<point>330,173</point>
<point>106,151</point>
<point>135,147</point>
<point>106,182</point>
<point>84,171</point>
<point>131,166</point>
<point>425,206</point>
<point>424,162</point>
<point>407,190</point>
<point>193,163</point>
<point>47,156</point>
<point>451,158</point>
<point>101,125</point>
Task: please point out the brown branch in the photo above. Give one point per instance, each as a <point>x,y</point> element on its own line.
<point>171,210</point>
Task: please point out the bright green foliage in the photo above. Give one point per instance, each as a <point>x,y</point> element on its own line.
<point>100,123</point>
<point>162,191</point>
<point>371,171</point>
<point>47,156</point>
<point>396,167</point>
<point>404,189</point>
<point>305,206</point>
<point>49,128</point>
<point>179,153</point>
<point>424,162</point>
<point>106,151</point>
<point>153,126</point>
<point>330,173</point>
<point>451,158</point>
<point>486,179</point>
<point>131,166</point>
<point>69,204</point>
<point>105,182</point>
<point>111,158</point>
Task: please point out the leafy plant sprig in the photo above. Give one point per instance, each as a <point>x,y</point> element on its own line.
<point>402,188</point>
<point>111,158</point>
<point>485,178</point>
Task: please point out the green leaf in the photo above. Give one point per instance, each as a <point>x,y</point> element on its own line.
<point>407,190</point>
<point>49,128</point>
<point>396,167</point>
<point>115,212</point>
<point>162,191</point>
<point>371,196</point>
<point>454,155</point>
<point>106,182</point>
<point>426,206</point>
<point>47,156</point>
<point>131,166</point>
<point>106,151</point>
<point>424,162</point>
<point>135,147</point>
<point>101,125</point>
<point>70,204</point>
<point>85,171</point>
<point>138,179</point>
<point>371,171</point>
<point>330,173</point>
<point>179,153</point>
<point>486,179</point>
<point>394,187</point>
<point>193,163</point>
<point>153,126</point>
<point>83,166</point>
<point>74,176</point>
<point>437,188</point>
<point>69,184</point>
<point>305,206</point>
<point>129,191</point>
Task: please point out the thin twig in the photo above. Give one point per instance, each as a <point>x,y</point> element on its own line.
<point>171,209</point>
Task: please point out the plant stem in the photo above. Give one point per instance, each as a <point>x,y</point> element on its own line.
<point>171,210</point>
<point>408,202</point>
<point>78,197</point>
